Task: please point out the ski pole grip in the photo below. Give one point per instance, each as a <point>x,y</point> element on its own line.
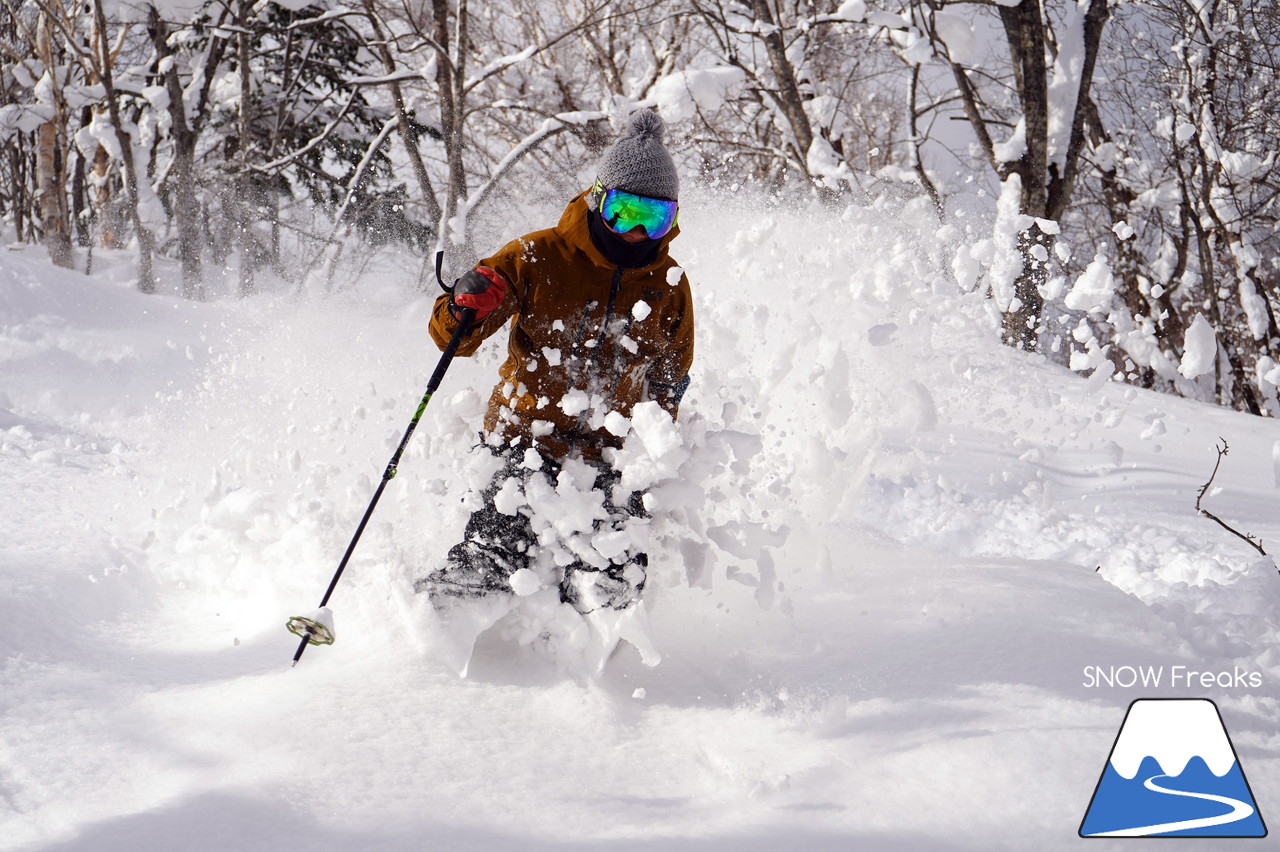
<point>465,322</point>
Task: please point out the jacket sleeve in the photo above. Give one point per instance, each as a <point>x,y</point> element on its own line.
<point>443,322</point>
<point>668,377</point>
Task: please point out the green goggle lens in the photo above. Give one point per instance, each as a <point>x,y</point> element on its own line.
<point>624,211</point>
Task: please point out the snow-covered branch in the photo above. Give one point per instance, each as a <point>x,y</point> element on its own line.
<point>312,143</point>
<point>549,128</point>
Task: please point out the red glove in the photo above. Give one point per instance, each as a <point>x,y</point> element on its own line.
<point>482,289</point>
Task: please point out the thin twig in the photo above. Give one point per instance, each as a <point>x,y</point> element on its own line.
<point>1256,544</point>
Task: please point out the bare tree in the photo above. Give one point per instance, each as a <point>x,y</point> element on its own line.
<point>1223,109</point>
<point>1040,162</point>
<point>1180,143</point>
<point>186,206</point>
<point>819,98</point>
<point>467,70</point>
<point>51,162</point>
<point>408,130</point>
<point>103,62</point>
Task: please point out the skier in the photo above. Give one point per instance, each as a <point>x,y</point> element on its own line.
<point>601,319</point>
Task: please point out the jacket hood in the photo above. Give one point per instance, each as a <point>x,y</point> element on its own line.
<point>575,227</point>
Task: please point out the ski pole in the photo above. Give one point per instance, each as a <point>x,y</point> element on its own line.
<point>317,628</point>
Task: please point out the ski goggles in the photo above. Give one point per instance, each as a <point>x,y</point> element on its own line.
<point>624,211</point>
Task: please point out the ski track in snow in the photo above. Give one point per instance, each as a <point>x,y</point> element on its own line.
<point>875,592</point>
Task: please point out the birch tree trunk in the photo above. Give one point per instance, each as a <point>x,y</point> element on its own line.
<point>51,166</point>
<point>448,80</point>
<point>146,240</point>
<point>106,214</point>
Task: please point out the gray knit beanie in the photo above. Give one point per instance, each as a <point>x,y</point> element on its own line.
<point>639,162</point>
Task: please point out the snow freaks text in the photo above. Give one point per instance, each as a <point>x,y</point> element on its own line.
<point>1149,677</point>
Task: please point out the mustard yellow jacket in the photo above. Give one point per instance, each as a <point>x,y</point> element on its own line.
<point>587,338</point>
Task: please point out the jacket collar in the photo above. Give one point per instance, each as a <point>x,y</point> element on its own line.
<point>574,227</point>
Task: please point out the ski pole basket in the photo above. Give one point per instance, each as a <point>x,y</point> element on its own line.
<point>315,628</point>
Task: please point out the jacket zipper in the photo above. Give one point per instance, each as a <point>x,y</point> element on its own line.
<point>593,356</point>
<point>608,311</point>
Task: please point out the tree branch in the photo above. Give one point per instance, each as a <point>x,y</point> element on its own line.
<point>276,165</point>
<point>1256,544</point>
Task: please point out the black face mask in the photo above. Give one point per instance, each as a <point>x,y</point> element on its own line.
<point>616,249</point>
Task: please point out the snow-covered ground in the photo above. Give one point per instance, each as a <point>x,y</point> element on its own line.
<point>888,554</point>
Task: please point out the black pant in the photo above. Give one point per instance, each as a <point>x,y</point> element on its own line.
<point>497,544</point>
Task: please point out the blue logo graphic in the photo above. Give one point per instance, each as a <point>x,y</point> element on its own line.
<point>1173,772</point>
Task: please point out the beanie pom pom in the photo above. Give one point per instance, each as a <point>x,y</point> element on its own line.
<point>646,123</point>
<point>638,162</point>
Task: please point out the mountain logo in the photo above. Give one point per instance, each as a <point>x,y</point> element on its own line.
<point>1173,772</point>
